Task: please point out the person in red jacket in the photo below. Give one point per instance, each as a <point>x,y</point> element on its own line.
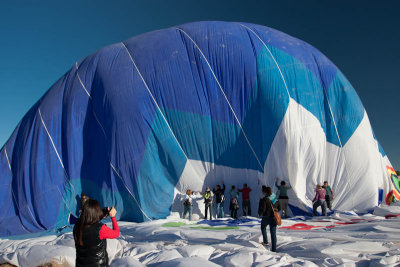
<point>246,206</point>
<point>90,234</point>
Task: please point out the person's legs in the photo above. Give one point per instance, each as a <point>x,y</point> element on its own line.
<point>272,230</point>
<point>190,212</point>
<point>315,206</point>
<point>244,207</point>
<point>328,202</point>
<point>222,210</point>
<point>280,201</point>
<point>284,206</point>
<point>264,223</point>
<point>249,207</point>
<point>235,213</point>
<point>206,207</point>
<point>185,210</point>
<point>323,207</point>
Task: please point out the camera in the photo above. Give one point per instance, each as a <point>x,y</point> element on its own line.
<point>106,211</point>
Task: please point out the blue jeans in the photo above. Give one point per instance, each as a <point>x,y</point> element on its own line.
<point>220,210</point>
<point>186,210</point>
<point>272,229</point>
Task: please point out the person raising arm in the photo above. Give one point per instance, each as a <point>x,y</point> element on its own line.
<point>90,234</point>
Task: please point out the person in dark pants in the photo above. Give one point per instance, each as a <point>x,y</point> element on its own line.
<point>329,194</point>
<point>220,200</point>
<point>283,197</point>
<point>90,235</point>
<point>265,210</point>
<point>234,203</point>
<point>208,200</point>
<point>319,200</point>
<point>246,205</point>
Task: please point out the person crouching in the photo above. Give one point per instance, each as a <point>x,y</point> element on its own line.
<point>319,200</point>
<point>90,235</point>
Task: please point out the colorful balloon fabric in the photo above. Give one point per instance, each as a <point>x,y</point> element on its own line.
<point>138,122</point>
<point>394,194</point>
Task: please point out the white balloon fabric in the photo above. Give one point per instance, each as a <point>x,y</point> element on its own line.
<point>138,122</point>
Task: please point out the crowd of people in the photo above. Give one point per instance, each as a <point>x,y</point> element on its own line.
<point>90,234</point>
<point>268,203</point>
<point>218,193</point>
<point>323,198</point>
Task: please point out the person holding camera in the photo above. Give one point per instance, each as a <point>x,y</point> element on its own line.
<point>90,234</point>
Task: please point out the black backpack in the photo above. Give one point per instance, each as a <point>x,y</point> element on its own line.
<point>187,202</point>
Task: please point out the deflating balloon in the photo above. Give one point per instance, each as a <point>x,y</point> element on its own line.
<point>138,122</point>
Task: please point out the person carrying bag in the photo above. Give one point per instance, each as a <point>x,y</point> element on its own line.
<point>277,216</point>
<point>267,212</point>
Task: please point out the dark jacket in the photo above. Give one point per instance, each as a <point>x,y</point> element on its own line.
<point>265,207</point>
<point>94,250</point>
<point>219,193</point>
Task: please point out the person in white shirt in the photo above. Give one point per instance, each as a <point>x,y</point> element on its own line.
<point>188,205</point>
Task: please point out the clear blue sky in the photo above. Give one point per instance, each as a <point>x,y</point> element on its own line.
<point>41,40</point>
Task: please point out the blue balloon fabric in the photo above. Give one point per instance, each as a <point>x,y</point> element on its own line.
<point>124,123</point>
